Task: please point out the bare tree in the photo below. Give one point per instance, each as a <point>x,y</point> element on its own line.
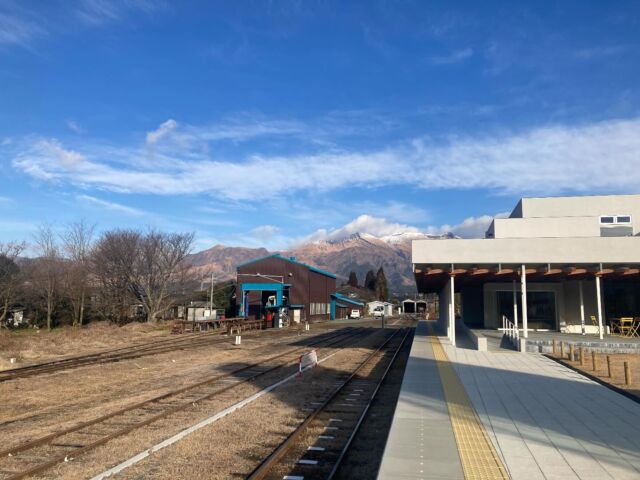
<point>160,261</point>
<point>46,269</point>
<point>132,265</point>
<point>9,272</point>
<point>77,243</point>
<point>112,259</point>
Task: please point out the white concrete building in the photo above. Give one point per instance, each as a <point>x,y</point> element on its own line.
<point>573,263</point>
<point>388,307</point>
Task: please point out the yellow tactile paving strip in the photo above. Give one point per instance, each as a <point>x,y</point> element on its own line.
<point>479,458</point>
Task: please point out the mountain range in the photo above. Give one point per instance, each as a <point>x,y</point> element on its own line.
<point>359,252</point>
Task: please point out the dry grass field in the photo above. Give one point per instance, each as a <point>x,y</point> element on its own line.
<point>617,377</point>
<point>32,345</point>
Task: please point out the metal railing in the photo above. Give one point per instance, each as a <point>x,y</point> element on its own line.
<point>510,331</point>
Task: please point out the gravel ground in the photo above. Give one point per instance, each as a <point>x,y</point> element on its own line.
<point>231,447</point>
<point>365,454</point>
<point>617,369</point>
<point>35,406</point>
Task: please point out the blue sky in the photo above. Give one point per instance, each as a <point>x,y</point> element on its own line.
<point>269,123</point>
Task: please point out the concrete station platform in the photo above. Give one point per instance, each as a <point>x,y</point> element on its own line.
<point>468,414</point>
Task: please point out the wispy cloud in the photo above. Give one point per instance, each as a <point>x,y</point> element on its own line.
<point>456,56</point>
<point>17,27</point>
<point>594,157</point>
<point>96,12</point>
<point>74,126</point>
<point>601,51</point>
<point>116,207</point>
<point>20,26</point>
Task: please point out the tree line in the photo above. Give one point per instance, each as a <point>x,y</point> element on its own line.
<point>77,275</point>
<point>375,282</point>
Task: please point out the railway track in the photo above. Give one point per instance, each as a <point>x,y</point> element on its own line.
<point>40,454</point>
<point>115,355</point>
<point>316,448</point>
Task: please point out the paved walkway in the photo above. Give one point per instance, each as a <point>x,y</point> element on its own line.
<point>421,443</point>
<point>544,420</point>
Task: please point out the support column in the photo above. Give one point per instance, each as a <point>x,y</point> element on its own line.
<point>515,306</point>
<point>599,299</point>
<point>523,284</point>
<point>452,306</point>
<point>581,307</point>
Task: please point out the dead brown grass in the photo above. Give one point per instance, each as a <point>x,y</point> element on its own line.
<point>617,377</point>
<point>31,345</point>
<point>229,448</point>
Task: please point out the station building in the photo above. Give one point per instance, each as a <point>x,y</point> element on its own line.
<point>569,264</point>
<point>282,290</point>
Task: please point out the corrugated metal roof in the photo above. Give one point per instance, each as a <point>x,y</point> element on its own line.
<point>292,260</point>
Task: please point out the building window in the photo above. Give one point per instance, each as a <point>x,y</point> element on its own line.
<point>616,226</point>
<point>615,219</point>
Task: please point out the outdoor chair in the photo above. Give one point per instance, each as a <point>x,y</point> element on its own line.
<point>627,325</point>
<point>614,324</point>
<point>594,322</point>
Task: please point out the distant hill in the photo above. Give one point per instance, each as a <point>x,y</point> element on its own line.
<point>358,253</point>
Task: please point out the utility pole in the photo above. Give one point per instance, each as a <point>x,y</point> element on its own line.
<point>211,298</point>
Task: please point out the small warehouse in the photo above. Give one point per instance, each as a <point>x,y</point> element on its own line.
<point>414,306</point>
<point>387,307</point>
<point>343,307</point>
<point>281,291</point>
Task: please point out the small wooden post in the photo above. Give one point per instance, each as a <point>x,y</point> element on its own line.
<point>561,349</point>
<point>627,374</point>
<point>582,356</point>
<point>555,347</point>
<point>609,366</point>
<point>571,352</point>
<point>594,359</point>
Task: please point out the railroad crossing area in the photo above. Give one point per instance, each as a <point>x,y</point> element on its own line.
<point>467,414</point>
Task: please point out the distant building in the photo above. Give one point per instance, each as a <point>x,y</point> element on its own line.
<point>568,263</point>
<point>282,290</point>
<point>387,306</point>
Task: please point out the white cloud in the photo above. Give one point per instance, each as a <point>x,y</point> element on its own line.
<point>454,57</point>
<point>471,227</point>
<point>16,28</point>
<point>116,207</point>
<point>264,232</point>
<point>366,224</point>
<point>6,141</point>
<point>162,131</point>
<point>602,156</point>
<point>74,126</point>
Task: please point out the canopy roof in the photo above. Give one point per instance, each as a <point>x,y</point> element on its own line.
<point>433,278</point>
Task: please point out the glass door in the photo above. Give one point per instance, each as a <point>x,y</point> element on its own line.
<point>541,309</point>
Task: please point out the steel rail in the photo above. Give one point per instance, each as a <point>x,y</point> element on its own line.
<point>115,355</point>
<point>46,440</point>
<point>345,449</point>
<point>262,470</point>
